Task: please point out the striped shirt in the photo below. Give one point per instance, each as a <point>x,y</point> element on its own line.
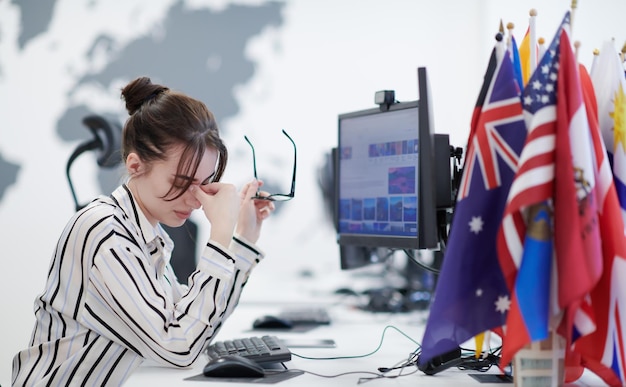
<point>112,299</point>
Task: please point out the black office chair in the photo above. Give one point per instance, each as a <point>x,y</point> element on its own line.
<point>106,143</point>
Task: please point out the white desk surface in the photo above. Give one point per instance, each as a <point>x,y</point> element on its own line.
<point>355,332</point>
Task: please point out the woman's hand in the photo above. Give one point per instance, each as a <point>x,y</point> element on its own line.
<point>253,211</point>
<point>220,203</point>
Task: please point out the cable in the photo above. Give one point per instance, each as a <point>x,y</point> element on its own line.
<point>411,361</point>
<point>380,344</point>
<point>337,375</point>
<point>478,364</point>
<point>383,371</point>
<point>420,264</point>
<point>468,362</point>
<point>482,363</point>
<point>375,375</point>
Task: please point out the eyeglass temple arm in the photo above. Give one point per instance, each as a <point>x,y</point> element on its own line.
<point>253,156</point>
<point>293,178</point>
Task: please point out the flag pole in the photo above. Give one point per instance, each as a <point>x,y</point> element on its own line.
<point>542,47</point>
<point>573,9</point>
<point>501,32</point>
<point>533,40</point>
<point>480,340</point>
<point>509,26</point>
<point>596,53</point>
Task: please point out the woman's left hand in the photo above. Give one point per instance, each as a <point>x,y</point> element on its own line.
<point>253,211</point>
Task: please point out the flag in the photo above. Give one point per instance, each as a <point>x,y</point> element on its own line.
<point>482,95</point>
<point>525,57</point>
<point>529,314</point>
<point>524,54</point>
<point>577,232</point>
<point>603,350</point>
<point>471,296</point>
<point>532,186</point>
<point>555,168</point>
<point>517,64</point>
<point>610,87</point>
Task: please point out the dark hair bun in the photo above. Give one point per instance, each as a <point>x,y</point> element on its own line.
<point>140,91</point>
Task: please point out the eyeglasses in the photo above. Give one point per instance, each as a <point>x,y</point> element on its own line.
<point>276,197</point>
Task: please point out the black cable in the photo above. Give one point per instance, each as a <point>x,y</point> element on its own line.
<point>479,364</point>
<point>411,361</point>
<point>482,363</point>
<point>418,263</point>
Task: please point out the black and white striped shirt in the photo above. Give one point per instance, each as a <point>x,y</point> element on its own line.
<point>112,299</point>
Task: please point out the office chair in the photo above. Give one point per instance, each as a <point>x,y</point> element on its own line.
<point>105,142</point>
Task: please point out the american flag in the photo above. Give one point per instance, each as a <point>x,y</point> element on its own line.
<point>535,174</point>
<point>533,185</point>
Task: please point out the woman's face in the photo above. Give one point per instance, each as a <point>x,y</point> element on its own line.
<point>151,183</point>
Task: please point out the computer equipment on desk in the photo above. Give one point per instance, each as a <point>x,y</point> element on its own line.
<point>385,173</point>
<point>385,300</point>
<point>442,362</point>
<point>271,322</point>
<point>393,300</point>
<point>296,319</point>
<point>455,358</point>
<point>345,291</point>
<point>306,316</point>
<point>391,189</point>
<point>233,366</point>
<point>263,349</point>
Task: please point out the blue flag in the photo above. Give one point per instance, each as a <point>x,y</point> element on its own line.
<point>471,294</point>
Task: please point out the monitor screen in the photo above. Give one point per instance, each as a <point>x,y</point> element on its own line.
<point>378,177</point>
<point>386,190</point>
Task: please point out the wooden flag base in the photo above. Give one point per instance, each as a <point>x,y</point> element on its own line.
<point>541,363</point>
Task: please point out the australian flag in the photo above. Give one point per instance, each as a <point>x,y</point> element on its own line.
<point>471,295</point>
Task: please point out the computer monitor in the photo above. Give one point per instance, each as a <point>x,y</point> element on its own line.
<point>386,194</point>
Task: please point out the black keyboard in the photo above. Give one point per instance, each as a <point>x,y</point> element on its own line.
<point>306,316</point>
<point>264,349</point>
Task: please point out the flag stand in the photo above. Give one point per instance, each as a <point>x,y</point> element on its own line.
<point>540,363</point>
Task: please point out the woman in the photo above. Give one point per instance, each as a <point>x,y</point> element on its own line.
<point>111,298</point>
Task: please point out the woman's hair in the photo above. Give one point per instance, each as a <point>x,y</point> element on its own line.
<point>161,119</point>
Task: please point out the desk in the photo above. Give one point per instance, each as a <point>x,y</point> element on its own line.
<point>356,332</point>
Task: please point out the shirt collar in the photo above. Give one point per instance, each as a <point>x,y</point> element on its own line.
<point>154,237</point>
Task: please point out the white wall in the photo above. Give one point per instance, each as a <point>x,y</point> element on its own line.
<point>329,58</point>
